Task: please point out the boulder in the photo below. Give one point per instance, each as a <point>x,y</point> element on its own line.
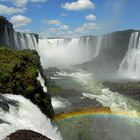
<point>26,135</point>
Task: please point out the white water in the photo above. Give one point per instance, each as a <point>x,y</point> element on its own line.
<point>20,40</point>
<point>29,41</point>
<point>42,82</point>
<point>25,41</point>
<point>66,52</point>
<point>58,102</point>
<point>98,47</point>
<point>26,116</point>
<point>62,52</point>
<point>130,65</point>
<point>6,37</point>
<point>17,43</point>
<point>95,90</point>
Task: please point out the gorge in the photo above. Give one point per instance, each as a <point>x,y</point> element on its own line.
<point>109,52</point>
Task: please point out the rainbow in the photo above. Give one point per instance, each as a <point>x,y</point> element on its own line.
<point>97,111</point>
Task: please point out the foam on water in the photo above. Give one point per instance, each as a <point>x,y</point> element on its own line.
<point>62,52</point>
<point>95,90</point>
<point>42,82</point>
<point>26,116</point>
<point>58,102</point>
<point>130,65</point>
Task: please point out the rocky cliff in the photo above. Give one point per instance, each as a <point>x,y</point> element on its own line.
<point>10,38</point>
<point>26,134</point>
<point>108,52</point>
<point>19,71</point>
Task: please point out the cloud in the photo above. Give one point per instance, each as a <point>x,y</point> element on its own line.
<point>20,21</point>
<point>53,22</point>
<point>38,1</point>
<point>78,5</point>
<point>64,27</point>
<point>19,3</point>
<point>24,30</point>
<point>61,31</point>
<point>91,17</point>
<point>52,29</point>
<point>63,14</point>
<point>22,3</point>
<point>56,33</point>
<point>87,27</point>
<point>60,28</point>
<point>10,10</point>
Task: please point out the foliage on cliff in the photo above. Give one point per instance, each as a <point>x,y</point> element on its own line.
<point>18,75</point>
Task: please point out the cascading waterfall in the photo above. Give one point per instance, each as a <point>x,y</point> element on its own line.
<point>6,37</point>
<point>25,41</point>
<point>35,43</point>
<point>22,114</point>
<point>31,42</point>
<point>62,52</point>
<point>42,82</point>
<point>130,65</point>
<point>98,47</point>
<point>20,40</point>
<point>67,52</point>
<point>17,43</point>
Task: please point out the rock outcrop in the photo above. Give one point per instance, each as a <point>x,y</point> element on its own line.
<point>18,75</point>
<point>10,38</point>
<point>110,50</point>
<point>26,135</point>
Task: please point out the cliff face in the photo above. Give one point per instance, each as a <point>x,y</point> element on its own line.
<point>19,71</point>
<point>6,31</point>
<point>10,38</point>
<point>111,51</point>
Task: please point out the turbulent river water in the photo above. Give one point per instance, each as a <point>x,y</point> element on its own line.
<point>123,124</point>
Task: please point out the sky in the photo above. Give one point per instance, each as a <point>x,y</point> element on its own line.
<point>71,18</point>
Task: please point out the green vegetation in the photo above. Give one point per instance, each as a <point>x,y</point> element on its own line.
<point>54,89</point>
<point>18,75</point>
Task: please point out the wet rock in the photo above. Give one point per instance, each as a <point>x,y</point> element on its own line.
<point>111,54</point>
<point>26,135</point>
<point>4,106</point>
<point>51,71</point>
<point>7,34</point>
<point>127,88</point>
<point>86,102</point>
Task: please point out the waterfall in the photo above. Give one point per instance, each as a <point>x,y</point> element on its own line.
<point>22,114</point>
<point>22,41</point>
<point>72,51</point>
<point>35,44</point>
<point>25,41</point>
<point>130,65</point>
<point>98,47</point>
<point>16,40</point>
<point>42,82</point>
<point>62,52</point>
<point>6,37</point>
